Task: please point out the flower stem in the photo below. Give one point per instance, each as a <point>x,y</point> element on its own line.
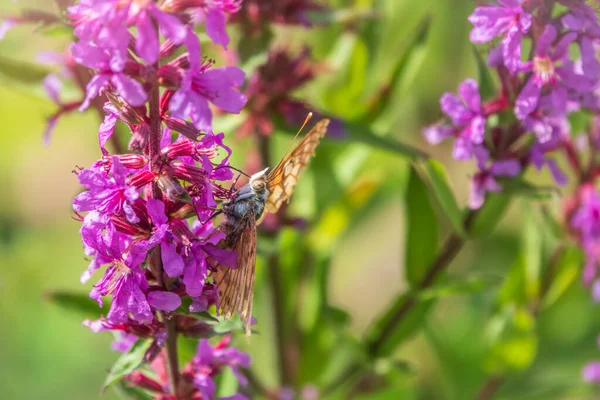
<point>172,364</point>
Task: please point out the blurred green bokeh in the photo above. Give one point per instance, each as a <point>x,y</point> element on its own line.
<point>46,353</point>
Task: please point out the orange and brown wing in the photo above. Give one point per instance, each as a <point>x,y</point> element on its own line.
<point>282,179</point>
<point>236,285</point>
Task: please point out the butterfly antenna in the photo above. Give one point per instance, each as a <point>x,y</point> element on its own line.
<point>308,117</point>
<point>233,168</point>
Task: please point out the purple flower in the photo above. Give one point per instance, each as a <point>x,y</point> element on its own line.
<point>124,279</point>
<point>172,262</point>
<point>205,85</point>
<point>101,23</point>
<point>214,14</point>
<point>147,43</point>
<point>591,372</point>
<point>6,25</point>
<point>110,66</point>
<point>584,20</point>
<point>124,343</point>
<point>544,68</point>
<point>166,301</point>
<point>507,19</point>
<point>485,180</point>
<point>467,117</point>
<point>108,194</point>
<point>209,358</point>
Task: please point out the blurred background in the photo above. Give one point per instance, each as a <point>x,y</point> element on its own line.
<point>361,230</point>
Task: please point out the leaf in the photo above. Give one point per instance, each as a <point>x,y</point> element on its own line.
<point>441,189</point>
<point>22,71</point>
<point>459,287</point>
<point>76,302</point>
<point>128,362</point>
<point>529,190</point>
<point>486,82</point>
<point>131,392</point>
<point>228,325</point>
<point>567,271</point>
<point>488,216</point>
<point>532,252</point>
<point>421,230</point>
<point>407,64</point>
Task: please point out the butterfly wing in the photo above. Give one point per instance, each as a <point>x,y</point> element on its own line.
<point>236,285</point>
<point>282,179</point>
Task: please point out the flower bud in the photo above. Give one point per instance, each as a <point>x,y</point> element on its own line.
<point>173,189</point>
<point>186,128</point>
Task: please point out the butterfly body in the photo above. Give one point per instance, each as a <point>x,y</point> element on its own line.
<point>249,202</point>
<point>266,191</point>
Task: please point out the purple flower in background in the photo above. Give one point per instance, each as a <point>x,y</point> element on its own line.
<point>108,194</point>
<point>198,88</point>
<point>466,114</point>
<point>214,14</point>
<point>545,70</point>
<point>584,20</point>
<point>485,180</point>
<point>508,19</point>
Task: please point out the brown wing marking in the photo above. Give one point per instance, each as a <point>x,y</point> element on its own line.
<point>236,286</point>
<point>282,179</point>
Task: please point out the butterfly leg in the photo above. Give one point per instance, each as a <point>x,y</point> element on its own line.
<point>232,188</point>
<point>213,215</point>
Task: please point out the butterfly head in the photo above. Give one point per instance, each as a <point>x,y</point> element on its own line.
<point>258,182</point>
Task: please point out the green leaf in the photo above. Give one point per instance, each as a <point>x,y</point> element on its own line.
<point>532,251</point>
<point>529,190</point>
<point>76,302</point>
<point>22,71</point>
<point>490,214</point>
<point>131,392</point>
<point>486,82</point>
<point>567,271</point>
<point>421,230</point>
<point>228,325</point>
<point>458,287</point>
<point>441,189</point>
<point>128,362</point>
<point>403,73</point>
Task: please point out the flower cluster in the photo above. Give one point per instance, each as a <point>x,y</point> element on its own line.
<point>538,91</point>
<point>146,214</point>
<point>197,377</point>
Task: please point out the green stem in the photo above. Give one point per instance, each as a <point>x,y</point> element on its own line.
<point>172,363</point>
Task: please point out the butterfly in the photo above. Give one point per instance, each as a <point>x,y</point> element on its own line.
<point>266,191</point>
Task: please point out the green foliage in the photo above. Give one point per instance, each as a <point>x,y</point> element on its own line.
<point>128,362</point>
<point>421,226</point>
<point>78,303</point>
